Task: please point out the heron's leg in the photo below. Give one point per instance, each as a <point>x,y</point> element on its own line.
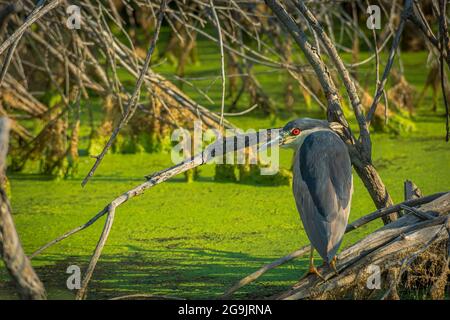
<point>311,260</point>
<point>333,265</point>
<point>312,269</point>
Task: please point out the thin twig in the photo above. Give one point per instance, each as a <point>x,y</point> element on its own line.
<point>255,275</point>
<point>222,60</point>
<point>82,293</point>
<point>242,112</point>
<point>131,107</point>
<point>380,87</point>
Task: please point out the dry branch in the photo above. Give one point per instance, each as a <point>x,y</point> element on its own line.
<point>380,86</point>
<point>222,59</point>
<point>343,72</point>
<point>18,265</point>
<point>255,275</point>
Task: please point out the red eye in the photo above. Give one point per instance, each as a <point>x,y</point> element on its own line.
<point>295,131</point>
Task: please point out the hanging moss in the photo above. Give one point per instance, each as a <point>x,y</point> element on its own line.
<point>134,141</point>
<point>225,172</point>
<point>72,154</point>
<point>159,144</point>
<point>100,137</point>
<point>128,144</point>
<point>397,121</point>
<point>307,97</point>
<point>54,161</point>
<point>192,175</point>
<point>251,174</point>
<point>247,172</point>
<point>96,144</point>
<point>402,94</point>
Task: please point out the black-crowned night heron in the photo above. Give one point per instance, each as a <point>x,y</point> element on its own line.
<point>322,185</point>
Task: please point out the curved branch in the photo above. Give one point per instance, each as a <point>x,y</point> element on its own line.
<point>18,265</point>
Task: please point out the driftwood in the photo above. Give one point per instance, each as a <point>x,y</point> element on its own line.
<point>17,263</point>
<point>386,248</point>
<point>411,191</point>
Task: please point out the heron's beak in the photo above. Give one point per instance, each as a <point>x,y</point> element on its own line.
<point>282,138</point>
<point>276,139</point>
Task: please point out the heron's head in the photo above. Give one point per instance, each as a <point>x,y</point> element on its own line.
<point>291,135</point>
<point>294,131</point>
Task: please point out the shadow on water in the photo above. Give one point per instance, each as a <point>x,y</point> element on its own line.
<point>29,176</point>
<point>107,178</point>
<point>182,272</point>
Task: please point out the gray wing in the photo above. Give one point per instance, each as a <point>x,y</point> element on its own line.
<point>323,187</point>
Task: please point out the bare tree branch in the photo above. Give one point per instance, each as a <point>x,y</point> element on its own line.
<point>28,284</point>
<point>380,87</point>
<point>222,60</point>
<point>39,13</point>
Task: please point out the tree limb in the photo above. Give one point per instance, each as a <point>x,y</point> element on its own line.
<point>28,284</point>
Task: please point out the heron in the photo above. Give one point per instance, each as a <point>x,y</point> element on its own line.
<point>322,184</point>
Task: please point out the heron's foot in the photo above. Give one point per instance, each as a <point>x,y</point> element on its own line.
<point>333,266</point>
<point>313,270</point>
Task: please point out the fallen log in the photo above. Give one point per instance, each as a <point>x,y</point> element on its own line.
<point>393,247</point>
